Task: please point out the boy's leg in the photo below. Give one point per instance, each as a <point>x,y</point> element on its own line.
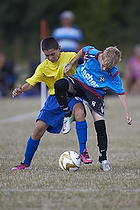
<point>102,144</point>
<point>31,148</point>
<point>61,88</point>
<point>79,113</point>
<point>34,141</point>
<point>101,138</point>
<point>81,129</point>
<point>32,145</point>
<point>50,119</point>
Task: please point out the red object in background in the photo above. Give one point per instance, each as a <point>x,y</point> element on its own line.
<point>44,30</point>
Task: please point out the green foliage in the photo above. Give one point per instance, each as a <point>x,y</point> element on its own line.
<point>20,24</point>
<point>108,22</point>
<point>104,22</point>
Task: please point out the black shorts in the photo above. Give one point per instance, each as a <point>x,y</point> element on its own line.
<point>95,102</point>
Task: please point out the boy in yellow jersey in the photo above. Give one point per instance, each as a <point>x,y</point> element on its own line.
<point>51,115</point>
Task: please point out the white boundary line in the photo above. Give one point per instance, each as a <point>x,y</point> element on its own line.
<point>71,190</point>
<point>18,118</point>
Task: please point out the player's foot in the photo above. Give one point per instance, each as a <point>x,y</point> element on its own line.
<point>104,165</point>
<point>22,166</point>
<point>66,125</point>
<point>85,158</point>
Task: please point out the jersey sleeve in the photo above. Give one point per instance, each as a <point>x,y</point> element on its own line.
<point>116,85</point>
<point>36,78</point>
<point>91,50</point>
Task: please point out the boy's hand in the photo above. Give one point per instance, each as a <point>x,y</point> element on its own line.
<point>129,120</point>
<point>85,57</point>
<point>17,91</point>
<point>67,68</point>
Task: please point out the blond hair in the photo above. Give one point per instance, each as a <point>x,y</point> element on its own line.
<point>111,56</point>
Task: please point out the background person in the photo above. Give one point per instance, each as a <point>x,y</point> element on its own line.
<point>132,72</point>
<point>68,34</point>
<point>7,76</point>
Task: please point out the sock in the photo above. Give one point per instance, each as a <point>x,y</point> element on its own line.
<point>102,155</point>
<point>102,139</point>
<point>31,148</point>
<point>81,129</point>
<point>67,112</point>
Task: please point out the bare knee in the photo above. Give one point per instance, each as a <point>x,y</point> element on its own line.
<point>79,112</point>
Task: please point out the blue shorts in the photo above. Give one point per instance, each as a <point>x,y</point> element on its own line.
<point>53,115</point>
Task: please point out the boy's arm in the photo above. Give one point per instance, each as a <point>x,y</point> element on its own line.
<point>125,106</point>
<point>21,89</point>
<point>79,55</point>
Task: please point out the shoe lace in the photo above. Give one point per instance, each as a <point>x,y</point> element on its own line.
<point>65,120</point>
<point>19,165</point>
<point>106,165</point>
<point>64,123</point>
<point>86,155</point>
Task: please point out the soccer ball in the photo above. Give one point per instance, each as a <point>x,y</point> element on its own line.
<point>69,161</point>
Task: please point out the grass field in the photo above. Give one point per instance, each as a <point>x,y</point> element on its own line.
<point>46,186</point>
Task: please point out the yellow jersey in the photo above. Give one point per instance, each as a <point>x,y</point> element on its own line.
<point>49,72</point>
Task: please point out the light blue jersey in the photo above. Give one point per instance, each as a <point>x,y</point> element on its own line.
<point>92,75</point>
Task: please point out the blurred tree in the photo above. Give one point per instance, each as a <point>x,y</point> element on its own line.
<point>20,23</point>
<point>104,22</point>
<point>108,22</point>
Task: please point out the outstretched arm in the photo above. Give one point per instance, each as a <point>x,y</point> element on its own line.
<point>21,89</point>
<point>125,106</point>
<point>79,55</point>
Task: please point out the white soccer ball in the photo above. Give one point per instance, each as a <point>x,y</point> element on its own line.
<point>69,161</point>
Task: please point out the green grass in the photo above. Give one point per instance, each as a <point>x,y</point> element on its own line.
<point>46,186</point>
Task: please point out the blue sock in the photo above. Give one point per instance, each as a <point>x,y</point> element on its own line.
<point>81,129</point>
<point>31,148</point>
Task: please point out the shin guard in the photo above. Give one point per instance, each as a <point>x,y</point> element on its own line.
<point>31,148</point>
<point>101,138</point>
<point>81,129</point>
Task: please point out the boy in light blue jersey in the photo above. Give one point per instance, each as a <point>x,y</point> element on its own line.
<point>91,74</point>
<point>90,81</point>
